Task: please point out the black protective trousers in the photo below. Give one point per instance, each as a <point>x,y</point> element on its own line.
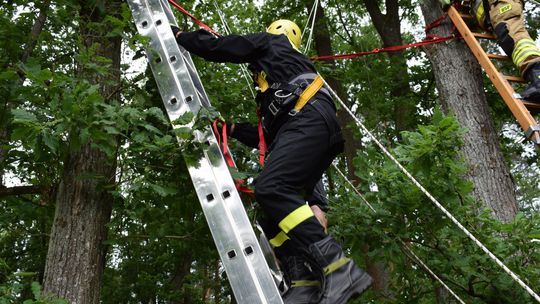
<point>303,149</point>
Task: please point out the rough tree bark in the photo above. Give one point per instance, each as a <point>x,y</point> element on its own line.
<point>459,82</point>
<point>76,254</point>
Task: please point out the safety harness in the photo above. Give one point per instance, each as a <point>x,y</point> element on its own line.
<point>297,92</point>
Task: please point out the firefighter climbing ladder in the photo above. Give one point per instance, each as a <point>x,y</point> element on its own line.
<point>519,108</point>
<point>181,90</point>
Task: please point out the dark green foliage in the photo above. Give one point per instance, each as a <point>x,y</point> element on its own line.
<point>403,213</point>
<point>159,247</point>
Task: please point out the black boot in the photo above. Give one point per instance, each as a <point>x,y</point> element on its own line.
<point>342,278</point>
<point>532,92</point>
<point>304,284</point>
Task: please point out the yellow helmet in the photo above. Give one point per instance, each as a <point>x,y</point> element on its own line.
<point>289,28</point>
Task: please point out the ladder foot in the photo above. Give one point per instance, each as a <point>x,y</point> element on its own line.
<point>533,133</point>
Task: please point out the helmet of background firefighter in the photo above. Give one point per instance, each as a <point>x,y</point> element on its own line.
<point>289,28</point>
<point>479,12</point>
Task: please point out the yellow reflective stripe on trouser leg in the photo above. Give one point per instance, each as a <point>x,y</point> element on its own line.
<point>279,239</point>
<point>301,283</point>
<point>295,218</point>
<point>523,49</point>
<point>308,93</point>
<point>337,264</point>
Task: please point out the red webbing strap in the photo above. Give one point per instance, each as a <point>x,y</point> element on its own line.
<point>431,39</point>
<point>223,143</point>
<point>262,141</point>
<point>199,22</point>
<point>437,22</point>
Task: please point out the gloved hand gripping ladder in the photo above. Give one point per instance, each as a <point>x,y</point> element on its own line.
<point>182,91</point>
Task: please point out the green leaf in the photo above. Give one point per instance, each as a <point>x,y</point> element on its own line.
<point>163,191</point>
<point>183,132</point>
<point>111,130</point>
<point>50,141</point>
<point>152,129</point>
<point>184,119</point>
<point>23,115</point>
<point>36,290</point>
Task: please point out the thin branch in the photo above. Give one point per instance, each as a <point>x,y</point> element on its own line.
<point>20,190</point>
<point>344,24</point>
<point>37,28</point>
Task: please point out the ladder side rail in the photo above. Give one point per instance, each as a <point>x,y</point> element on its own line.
<point>516,106</point>
<point>180,88</point>
<point>187,57</point>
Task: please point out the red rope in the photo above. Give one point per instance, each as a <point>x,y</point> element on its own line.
<point>430,39</point>
<point>436,23</point>
<point>223,144</point>
<point>262,141</point>
<point>199,22</point>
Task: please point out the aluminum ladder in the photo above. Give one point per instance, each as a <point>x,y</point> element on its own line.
<point>251,278</point>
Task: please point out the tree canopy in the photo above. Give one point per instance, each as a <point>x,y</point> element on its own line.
<point>77,111</point>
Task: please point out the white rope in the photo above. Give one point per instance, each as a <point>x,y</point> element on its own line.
<point>308,19</point>
<point>243,67</point>
<point>314,13</point>
<point>354,188</point>
<point>405,247</point>
<point>413,180</point>
<point>421,263</point>
<point>434,200</point>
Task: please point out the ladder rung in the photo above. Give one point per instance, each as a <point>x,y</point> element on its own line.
<point>498,57</point>
<point>485,36</point>
<point>515,79</point>
<point>466,16</point>
<point>532,106</point>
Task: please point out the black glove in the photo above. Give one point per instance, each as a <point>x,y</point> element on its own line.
<point>176,32</point>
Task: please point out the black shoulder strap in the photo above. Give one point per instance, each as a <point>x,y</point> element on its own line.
<point>486,12</point>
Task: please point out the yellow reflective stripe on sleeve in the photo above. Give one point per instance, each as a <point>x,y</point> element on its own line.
<point>279,239</point>
<point>526,54</point>
<point>337,264</point>
<point>261,81</point>
<point>308,93</point>
<point>523,49</point>
<point>295,218</point>
<point>301,283</point>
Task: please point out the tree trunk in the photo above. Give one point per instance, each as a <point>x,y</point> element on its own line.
<point>461,91</point>
<point>323,46</point>
<point>182,270</point>
<point>76,254</point>
<point>389,28</point>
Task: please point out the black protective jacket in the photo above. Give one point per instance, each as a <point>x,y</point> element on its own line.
<point>266,52</point>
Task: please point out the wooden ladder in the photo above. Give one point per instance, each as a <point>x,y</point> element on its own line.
<point>521,109</point>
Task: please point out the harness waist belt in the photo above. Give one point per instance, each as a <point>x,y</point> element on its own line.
<point>308,93</point>
<point>305,79</point>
